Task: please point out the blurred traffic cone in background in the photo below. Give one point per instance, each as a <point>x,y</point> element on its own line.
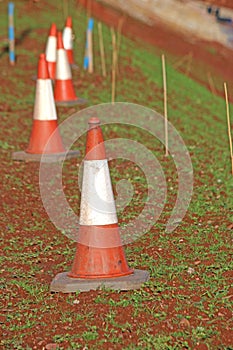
<point>68,38</point>
<point>51,50</point>
<point>45,115</point>
<point>100,258</point>
<point>45,127</point>
<point>64,93</point>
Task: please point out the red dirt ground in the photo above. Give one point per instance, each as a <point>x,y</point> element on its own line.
<point>29,205</point>
<point>211,58</point>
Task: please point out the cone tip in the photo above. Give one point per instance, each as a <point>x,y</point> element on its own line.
<point>59,40</point>
<point>53,30</point>
<point>95,149</point>
<point>69,22</point>
<point>42,67</point>
<point>93,121</point>
<point>42,56</point>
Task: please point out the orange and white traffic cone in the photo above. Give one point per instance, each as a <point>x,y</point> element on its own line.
<point>100,258</point>
<point>51,50</point>
<point>68,38</point>
<point>64,93</point>
<point>44,123</point>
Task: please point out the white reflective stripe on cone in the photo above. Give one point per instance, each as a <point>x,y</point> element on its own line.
<point>51,49</point>
<point>67,38</point>
<point>44,107</point>
<point>63,70</point>
<point>97,201</point>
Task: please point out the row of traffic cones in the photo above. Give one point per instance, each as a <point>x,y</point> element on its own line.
<point>44,115</point>
<point>51,46</point>
<point>60,58</point>
<point>100,258</point>
<point>64,93</point>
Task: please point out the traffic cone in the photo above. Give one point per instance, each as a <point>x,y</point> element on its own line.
<point>100,258</point>
<point>44,123</point>
<point>50,51</point>
<point>67,37</point>
<point>64,93</point>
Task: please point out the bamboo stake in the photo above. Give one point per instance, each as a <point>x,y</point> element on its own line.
<point>88,59</point>
<point>114,61</point>
<point>190,59</point>
<point>102,53</point>
<point>181,61</point>
<point>119,30</point>
<point>88,8</point>
<point>211,83</point>
<point>65,9</point>
<point>165,105</point>
<point>229,126</point>
<point>90,51</point>
<point>11,33</point>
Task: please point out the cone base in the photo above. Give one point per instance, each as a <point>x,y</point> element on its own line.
<point>116,275</point>
<point>78,101</point>
<point>74,66</point>
<point>63,283</point>
<point>45,136</point>
<point>47,158</point>
<point>34,78</point>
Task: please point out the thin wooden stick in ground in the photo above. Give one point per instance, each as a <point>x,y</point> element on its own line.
<point>114,61</point>
<point>165,105</point>
<point>89,8</point>
<point>65,9</point>
<point>229,126</point>
<point>90,45</point>
<point>181,61</point>
<point>211,83</point>
<point>190,59</point>
<point>90,52</point>
<point>102,53</point>
<point>11,33</point>
<point>119,30</point>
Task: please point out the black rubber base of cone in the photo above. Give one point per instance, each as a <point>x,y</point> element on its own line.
<point>47,158</point>
<point>79,101</point>
<point>63,283</point>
